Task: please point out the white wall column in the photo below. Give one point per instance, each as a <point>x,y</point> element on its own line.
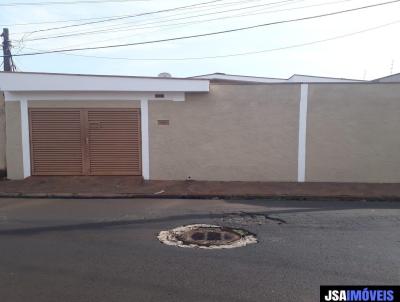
<point>301,163</point>
<point>144,121</point>
<point>26,154</point>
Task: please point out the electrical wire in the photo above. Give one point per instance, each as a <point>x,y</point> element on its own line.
<point>67,2</point>
<point>179,24</point>
<point>213,33</point>
<point>126,16</point>
<point>257,12</point>
<point>182,18</point>
<point>80,19</point>
<point>235,54</point>
<point>206,4</point>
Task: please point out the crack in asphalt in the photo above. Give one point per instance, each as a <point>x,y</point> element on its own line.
<point>247,218</point>
<point>266,216</point>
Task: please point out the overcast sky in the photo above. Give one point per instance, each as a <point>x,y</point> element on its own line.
<point>368,55</point>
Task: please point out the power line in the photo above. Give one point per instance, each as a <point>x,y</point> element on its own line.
<point>213,33</point>
<point>182,18</point>
<point>117,27</point>
<point>57,21</point>
<point>80,19</point>
<point>127,16</point>
<point>235,54</point>
<point>186,7</point>
<point>67,2</point>
<point>257,12</point>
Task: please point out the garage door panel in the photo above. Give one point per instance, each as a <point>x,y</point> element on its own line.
<point>114,142</point>
<point>56,142</point>
<point>85,141</point>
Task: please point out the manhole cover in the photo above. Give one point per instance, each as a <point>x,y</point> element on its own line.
<point>207,236</point>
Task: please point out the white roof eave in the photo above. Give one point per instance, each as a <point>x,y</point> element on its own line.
<point>20,82</point>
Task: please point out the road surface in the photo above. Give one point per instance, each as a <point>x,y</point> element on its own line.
<point>107,250</point>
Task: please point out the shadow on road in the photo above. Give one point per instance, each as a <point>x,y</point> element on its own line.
<point>292,207</point>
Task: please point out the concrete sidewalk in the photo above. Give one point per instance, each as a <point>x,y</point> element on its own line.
<point>135,187</point>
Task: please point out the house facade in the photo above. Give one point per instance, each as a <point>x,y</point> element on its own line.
<point>200,128</point>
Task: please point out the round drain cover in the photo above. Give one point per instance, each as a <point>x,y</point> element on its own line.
<point>207,237</point>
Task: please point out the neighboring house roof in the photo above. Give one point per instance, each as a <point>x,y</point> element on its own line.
<point>296,78</point>
<point>239,78</point>
<point>390,78</point>
<point>318,79</point>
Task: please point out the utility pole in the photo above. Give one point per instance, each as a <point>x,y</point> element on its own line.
<point>7,61</point>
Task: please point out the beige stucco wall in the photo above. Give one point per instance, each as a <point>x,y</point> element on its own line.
<point>235,132</point>
<point>2,135</point>
<point>250,133</point>
<point>14,141</point>
<point>353,133</point>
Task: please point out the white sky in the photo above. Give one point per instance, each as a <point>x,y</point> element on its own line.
<point>367,55</point>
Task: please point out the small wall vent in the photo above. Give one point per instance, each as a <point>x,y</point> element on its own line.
<point>163,122</point>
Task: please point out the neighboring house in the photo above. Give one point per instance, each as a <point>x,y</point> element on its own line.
<point>315,79</point>
<point>389,79</point>
<point>203,129</point>
<point>297,78</point>
<point>222,77</point>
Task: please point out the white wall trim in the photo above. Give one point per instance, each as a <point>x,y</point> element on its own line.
<point>26,154</point>
<point>11,96</point>
<point>144,121</point>
<point>301,162</point>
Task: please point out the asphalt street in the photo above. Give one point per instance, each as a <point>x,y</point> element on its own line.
<point>106,250</point>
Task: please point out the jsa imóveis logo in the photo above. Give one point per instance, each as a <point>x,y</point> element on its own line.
<point>359,293</point>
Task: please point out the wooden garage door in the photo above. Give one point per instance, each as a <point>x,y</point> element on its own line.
<point>114,142</point>
<point>85,141</point>
<point>56,142</point>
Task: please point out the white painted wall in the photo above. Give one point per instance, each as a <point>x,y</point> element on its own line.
<point>144,121</point>
<point>26,154</point>
<point>301,164</point>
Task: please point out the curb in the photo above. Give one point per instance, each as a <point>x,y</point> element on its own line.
<point>198,196</point>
